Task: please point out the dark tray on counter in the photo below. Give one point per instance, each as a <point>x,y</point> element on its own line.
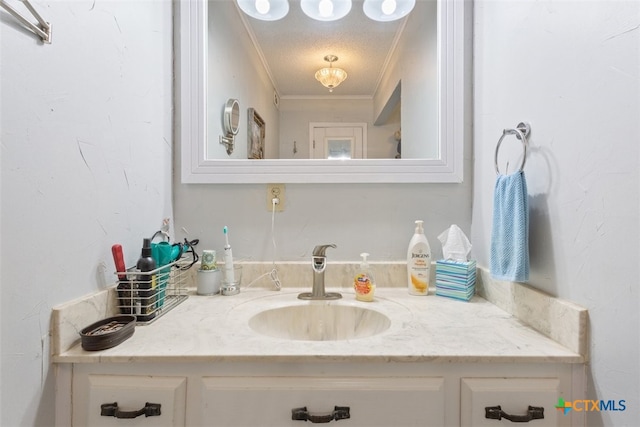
<point>107,333</point>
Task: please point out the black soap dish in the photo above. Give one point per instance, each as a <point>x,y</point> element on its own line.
<point>107,333</point>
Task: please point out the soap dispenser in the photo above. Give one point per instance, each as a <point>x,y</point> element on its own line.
<point>364,283</point>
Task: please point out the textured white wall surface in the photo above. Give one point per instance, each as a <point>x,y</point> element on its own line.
<point>86,132</point>
<point>572,69</point>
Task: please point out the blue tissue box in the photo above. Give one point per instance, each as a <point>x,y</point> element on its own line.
<point>455,279</point>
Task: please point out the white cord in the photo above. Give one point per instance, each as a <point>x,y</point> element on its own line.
<point>274,277</point>
<point>273,274</point>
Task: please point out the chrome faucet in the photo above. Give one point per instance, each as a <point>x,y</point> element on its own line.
<point>319,264</point>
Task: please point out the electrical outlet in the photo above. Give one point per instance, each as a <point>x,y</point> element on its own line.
<point>275,191</point>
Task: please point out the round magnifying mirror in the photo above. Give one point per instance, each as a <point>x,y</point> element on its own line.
<point>231,117</point>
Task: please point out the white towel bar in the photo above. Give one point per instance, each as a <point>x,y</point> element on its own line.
<point>44,33</point>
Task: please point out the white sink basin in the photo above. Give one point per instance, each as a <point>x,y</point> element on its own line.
<point>320,321</point>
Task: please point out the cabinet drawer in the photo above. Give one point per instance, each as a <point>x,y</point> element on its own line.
<point>131,393</point>
<point>514,396</point>
<point>269,401</point>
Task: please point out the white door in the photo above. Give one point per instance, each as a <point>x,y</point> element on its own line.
<point>338,140</point>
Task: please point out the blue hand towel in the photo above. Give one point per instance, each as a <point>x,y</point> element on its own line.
<point>510,233</point>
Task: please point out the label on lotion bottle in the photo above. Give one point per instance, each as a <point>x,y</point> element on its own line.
<point>420,266</point>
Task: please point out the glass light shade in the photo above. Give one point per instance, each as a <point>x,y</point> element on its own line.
<point>265,10</point>
<point>331,77</point>
<point>326,10</point>
<point>387,10</point>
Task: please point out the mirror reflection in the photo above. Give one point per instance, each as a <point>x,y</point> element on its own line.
<point>386,108</point>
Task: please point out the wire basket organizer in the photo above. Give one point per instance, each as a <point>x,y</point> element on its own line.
<point>150,294</point>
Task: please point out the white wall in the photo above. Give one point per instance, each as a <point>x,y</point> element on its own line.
<point>85,125</point>
<point>376,218</point>
<point>571,68</point>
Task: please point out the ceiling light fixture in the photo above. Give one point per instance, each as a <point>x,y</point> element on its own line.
<point>387,10</point>
<point>265,10</point>
<point>331,77</point>
<point>326,10</point>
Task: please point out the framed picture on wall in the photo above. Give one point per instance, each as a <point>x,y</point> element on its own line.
<point>255,140</point>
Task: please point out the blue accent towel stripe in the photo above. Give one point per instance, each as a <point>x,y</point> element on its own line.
<point>510,233</point>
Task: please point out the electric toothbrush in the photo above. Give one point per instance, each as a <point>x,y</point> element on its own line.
<point>228,258</point>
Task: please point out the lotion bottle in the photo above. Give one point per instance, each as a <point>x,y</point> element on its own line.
<point>364,283</point>
<point>418,262</point>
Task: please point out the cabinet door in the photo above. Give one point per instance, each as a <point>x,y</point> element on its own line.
<point>131,393</point>
<point>514,396</point>
<point>269,401</point>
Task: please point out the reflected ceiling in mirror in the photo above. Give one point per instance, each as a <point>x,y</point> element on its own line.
<point>270,67</point>
<point>293,49</point>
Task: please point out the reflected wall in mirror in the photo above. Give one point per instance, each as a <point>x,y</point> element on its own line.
<point>270,66</point>
<point>392,77</point>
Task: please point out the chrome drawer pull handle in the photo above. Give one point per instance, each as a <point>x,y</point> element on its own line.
<point>496,413</point>
<point>338,413</point>
<point>111,410</point>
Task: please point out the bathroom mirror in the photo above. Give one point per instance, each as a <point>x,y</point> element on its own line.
<point>195,87</point>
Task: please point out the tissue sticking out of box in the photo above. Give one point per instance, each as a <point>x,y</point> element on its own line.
<point>455,244</point>
<point>455,276</point>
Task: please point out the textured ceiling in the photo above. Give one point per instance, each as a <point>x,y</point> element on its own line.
<point>295,46</point>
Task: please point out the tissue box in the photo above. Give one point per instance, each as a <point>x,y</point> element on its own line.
<point>456,279</point>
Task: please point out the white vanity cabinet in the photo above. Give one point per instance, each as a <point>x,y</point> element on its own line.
<point>230,394</point>
<point>440,363</point>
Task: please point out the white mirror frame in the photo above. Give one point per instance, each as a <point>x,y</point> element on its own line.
<point>191,77</point>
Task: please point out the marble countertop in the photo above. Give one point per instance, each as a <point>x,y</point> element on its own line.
<point>423,329</point>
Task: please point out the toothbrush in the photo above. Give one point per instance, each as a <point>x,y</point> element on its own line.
<point>228,257</point>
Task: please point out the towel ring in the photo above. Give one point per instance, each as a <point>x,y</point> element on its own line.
<point>521,132</point>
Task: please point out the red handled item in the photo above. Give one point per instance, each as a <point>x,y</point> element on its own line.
<point>118,258</point>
